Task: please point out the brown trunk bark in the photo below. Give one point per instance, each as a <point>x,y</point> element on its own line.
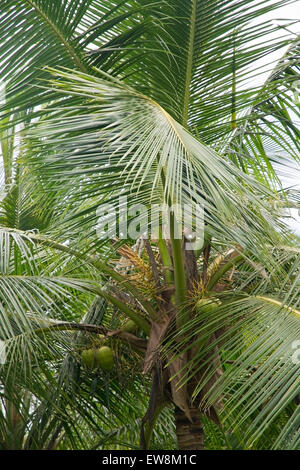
<point>190,435</point>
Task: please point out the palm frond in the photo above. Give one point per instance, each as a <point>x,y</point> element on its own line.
<point>152,144</point>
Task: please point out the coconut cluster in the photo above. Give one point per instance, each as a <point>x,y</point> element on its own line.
<point>102,357</point>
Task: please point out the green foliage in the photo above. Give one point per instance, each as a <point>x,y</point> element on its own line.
<point>152,100</point>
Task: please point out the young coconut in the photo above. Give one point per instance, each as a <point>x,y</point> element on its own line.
<point>130,327</point>
<point>88,358</point>
<point>104,358</point>
<point>206,305</point>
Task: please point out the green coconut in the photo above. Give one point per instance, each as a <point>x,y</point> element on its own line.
<point>206,305</point>
<point>104,357</point>
<point>88,358</point>
<point>130,327</point>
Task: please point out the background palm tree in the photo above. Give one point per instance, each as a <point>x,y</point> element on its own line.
<point>153,101</point>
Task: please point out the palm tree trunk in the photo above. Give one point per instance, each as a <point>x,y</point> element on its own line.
<point>190,435</point>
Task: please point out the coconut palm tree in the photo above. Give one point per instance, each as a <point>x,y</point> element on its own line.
<point>119,339</point>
